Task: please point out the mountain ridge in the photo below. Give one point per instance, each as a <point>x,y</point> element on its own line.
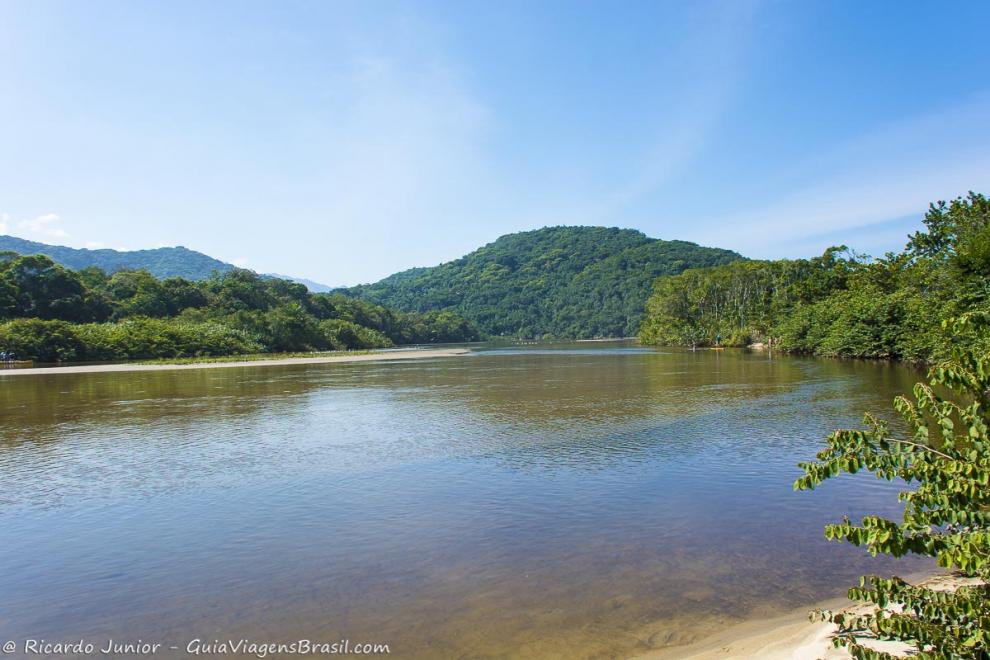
<point>562,281</point>
<point>178,261</point>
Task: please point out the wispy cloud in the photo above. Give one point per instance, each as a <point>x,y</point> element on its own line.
<point>703,73</point>
<point>893,172</point>
<point>711,59</point>
<point>43,226</point>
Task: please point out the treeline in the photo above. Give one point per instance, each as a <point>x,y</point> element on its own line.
<point>839,304</point>
<point>50,313</point>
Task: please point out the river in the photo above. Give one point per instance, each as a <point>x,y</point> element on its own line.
<point>564,500</point>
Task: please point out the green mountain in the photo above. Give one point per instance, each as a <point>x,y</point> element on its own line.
<point>580,282</point>
<point>160,262</point>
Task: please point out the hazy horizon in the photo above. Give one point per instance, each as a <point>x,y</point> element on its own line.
<point>344,142</point>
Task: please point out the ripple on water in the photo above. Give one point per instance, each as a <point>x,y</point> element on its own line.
<point>529,502</point>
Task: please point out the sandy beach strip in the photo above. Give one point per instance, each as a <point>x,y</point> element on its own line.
<point>793,636</point>
<point>412,354</point>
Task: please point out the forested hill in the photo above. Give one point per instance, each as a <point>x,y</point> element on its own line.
<point>577,282</point>
<point>160,262</point>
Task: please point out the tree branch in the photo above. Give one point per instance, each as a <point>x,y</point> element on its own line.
<point>927,448</point>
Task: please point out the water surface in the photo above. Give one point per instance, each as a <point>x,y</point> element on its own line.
<point>579,500</point>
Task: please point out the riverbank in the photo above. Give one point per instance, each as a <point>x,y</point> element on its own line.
<point>411,354</point>
<point>791,636</point>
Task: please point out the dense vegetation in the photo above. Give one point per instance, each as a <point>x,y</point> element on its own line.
<point>946,462</point>
<point>578,282</point>
<point>838,304</point>
<point>50,313</point>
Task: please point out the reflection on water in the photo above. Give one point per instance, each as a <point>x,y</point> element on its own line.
<point>566,501</point>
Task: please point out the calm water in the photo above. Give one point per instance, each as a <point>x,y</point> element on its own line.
<point>582,500</point>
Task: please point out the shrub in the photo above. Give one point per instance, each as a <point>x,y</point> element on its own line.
<point>37,339</point>
<point>340,335</point>
<point>290,328</point>
<point>154,338</point>
<point>946,516</point>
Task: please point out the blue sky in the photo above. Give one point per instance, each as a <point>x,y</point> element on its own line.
<point>346,141</point>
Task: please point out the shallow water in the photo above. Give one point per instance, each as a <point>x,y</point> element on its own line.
<point>578,500</point>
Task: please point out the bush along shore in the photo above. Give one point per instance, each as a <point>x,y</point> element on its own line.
<point>49,313</point>
<point>840,304</point>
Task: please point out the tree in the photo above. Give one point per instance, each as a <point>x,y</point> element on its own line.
<point>233,312</point>
<point>37,339</point>
<point>841,303</point>
<point>341,335</point>
<point>182,294</point>
<point>43,289</point>
<point>137,293</point>
<point>239,290</point>
<point>951,229</point>
<point>289,328</point>
<point>946,516</point>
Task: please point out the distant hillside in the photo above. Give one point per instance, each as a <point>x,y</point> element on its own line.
<point>314,287</point>
<point>160,262</point>
<point>578,282</point>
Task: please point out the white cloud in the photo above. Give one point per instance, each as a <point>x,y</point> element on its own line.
<point>44,226</point>
<point>94,245</point>
<point>240,262</point>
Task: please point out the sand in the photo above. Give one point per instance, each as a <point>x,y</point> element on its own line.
<point>412,354</point>
<point>789,637</point>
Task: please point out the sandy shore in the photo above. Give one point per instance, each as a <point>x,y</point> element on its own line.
<point>412,354</point>
<point>791,636</point>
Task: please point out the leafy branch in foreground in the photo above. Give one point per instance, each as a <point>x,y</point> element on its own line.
<point>946,515</point>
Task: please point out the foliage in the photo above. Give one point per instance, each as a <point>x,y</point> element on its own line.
<point>43,340</point>
<point>946,458</point>
<point>132,314</point>
<point>739,301</point>
<point>839,304</point>
<point>149,338</point>
<point>58,341</point>
<point>558,281</point>
<point>36,287</point>
<point>340,334</point>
